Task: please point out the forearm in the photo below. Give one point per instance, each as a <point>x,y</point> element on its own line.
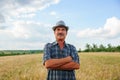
<point>69,66</point>
<point>54,63</point>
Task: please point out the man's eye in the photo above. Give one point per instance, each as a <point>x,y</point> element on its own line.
<point>63,29</point>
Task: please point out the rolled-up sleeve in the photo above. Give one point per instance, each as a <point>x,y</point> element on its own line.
<point>46,55</point>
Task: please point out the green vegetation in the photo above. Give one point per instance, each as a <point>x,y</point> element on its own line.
<point>19,52</point>
<point>101,48</point>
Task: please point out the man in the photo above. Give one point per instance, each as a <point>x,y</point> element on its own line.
<point>60,58</point>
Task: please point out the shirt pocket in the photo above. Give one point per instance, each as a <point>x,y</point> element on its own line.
<point>65,53</point>
<point>55,54</point>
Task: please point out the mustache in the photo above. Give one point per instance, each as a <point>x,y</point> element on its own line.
<point>60,34</point>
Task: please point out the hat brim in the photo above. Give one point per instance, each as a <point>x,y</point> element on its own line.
<point>66,27</point>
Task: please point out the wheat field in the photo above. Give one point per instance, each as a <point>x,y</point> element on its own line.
<point>93,66</point>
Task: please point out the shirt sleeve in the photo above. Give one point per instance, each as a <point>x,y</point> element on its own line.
<point>74,55</point>
<point>46,55</point>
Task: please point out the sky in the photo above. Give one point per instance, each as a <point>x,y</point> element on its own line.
<point>27,24</point>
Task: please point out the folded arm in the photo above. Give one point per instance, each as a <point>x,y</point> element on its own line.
<point>62,64</point>
<point>70,66</point>
<point>54,63</point>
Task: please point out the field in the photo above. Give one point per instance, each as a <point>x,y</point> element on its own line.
<point>94,66</point>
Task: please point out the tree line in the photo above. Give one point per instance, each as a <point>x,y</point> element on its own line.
<point>19,52</point>
<point>101,48</point>
<point>89,48</point>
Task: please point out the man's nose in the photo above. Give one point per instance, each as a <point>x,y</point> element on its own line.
<point>60,31</point>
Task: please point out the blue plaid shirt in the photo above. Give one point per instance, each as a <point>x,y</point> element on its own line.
<point>52,50</point>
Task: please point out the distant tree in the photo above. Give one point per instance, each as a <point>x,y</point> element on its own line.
<point>88,47</point>
<point>109,46</point>
<point>109,49</point>
<point>1,53</point>
<point>118,48</point>
<point>94,48</point>
<point>79,50</point>
<point>102,47</point>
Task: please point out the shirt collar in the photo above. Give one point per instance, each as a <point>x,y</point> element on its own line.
<point>55,43</point>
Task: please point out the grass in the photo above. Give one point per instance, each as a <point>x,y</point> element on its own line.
<point>94,66</point>
<point>23,67</point>
<point>101,66</point>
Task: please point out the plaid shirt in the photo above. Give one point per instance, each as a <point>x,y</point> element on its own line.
<point>52,50</point>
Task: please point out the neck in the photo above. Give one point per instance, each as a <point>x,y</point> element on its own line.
<point>61,43</point>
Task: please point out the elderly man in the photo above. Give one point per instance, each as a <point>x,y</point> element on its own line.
<point>60,58</point>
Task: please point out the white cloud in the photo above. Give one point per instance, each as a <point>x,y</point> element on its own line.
<point>29,29</point>
<point>109,30</point>
<point>53,13</point>
<point>25,35</point>
<point>29,15</point>
<point>2,20</point>
<point>21,45</point>
<point>13,9</point>
<point>16,29</point>
<point>56,1</point>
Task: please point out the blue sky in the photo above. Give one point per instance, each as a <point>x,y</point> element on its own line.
<point>26,24</point>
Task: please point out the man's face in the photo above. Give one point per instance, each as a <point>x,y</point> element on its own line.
<point>60,33</point>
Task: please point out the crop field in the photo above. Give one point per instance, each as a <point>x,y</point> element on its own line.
<point>93,66</point>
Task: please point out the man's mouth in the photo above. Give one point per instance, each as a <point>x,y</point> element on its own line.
<point>60,34</point>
